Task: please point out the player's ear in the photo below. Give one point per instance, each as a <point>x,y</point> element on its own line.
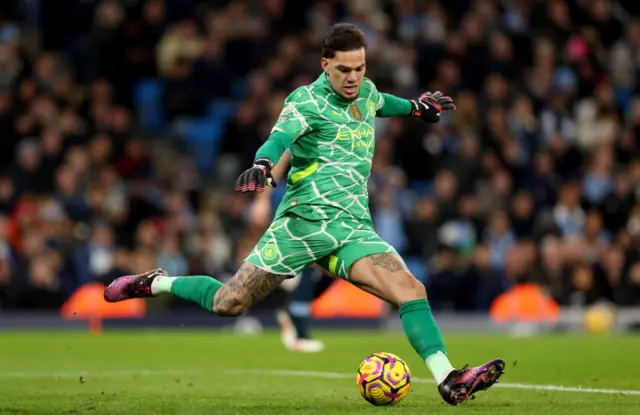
<point>324,62</point>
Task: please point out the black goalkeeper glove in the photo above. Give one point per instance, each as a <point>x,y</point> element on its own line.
<point>430,105</point>
<point>256,177</point>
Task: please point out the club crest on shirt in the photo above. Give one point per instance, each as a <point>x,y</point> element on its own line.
<point>371,107</point>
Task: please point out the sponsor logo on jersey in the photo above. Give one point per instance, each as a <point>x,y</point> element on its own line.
<point>346,133</point>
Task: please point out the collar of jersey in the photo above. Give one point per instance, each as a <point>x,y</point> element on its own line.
<point>324,81</point>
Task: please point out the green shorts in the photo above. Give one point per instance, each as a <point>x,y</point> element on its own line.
<point>292,244</point>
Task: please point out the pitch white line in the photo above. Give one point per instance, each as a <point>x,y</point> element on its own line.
<point>298,373</point>
<point>552,388</point>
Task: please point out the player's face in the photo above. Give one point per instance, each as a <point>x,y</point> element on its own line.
<point>346,71</point>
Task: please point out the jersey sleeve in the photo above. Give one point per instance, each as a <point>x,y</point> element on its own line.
<point>298,114</point>
<point>388,105</point>
<point>376,96</point>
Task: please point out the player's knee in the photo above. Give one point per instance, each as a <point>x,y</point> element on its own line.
<point>229,309</point>
<point>412,289</point>
<point>228,306</point>
<point>418,288</point>
<point>406,288</point>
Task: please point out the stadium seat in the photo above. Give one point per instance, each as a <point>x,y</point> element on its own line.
<point>203,139</point>
<point>221,110</point>
<point>422,188</point>
<point>623,98</point>
<point>239,90</point>
<point>148,105</point>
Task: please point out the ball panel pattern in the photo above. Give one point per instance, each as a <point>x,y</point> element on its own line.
<point>383,379</point>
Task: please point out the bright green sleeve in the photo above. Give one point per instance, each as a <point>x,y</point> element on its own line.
<point>274,147</point>
<point>298,114</point>
<point>392,106</point>
<point>296,119</point>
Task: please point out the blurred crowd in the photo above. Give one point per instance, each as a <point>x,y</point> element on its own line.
<point>535,177</point>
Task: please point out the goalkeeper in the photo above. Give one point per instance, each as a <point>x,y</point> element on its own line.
<point>324,218</point>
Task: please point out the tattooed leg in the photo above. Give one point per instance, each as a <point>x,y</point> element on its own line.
<point>387,277</point>
<point>248,286</point>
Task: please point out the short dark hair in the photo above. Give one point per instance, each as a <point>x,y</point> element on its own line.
<point>342,37</point>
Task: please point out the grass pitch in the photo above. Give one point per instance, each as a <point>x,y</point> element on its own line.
<point>186,372</point>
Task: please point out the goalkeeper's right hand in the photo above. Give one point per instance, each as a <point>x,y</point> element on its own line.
<point>256,177</point>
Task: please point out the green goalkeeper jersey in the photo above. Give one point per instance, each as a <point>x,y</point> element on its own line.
<point>332,146</point>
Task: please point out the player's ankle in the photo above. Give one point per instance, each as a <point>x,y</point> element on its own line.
<point>439,366</point>
<point>162,284</point>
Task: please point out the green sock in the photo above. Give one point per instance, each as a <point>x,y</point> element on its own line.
<point>199,289</point>
<point>424,335</point>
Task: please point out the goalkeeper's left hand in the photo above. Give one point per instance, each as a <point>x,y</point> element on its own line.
<point>430,105</point>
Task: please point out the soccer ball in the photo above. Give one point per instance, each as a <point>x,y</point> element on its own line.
<point>383,379</point>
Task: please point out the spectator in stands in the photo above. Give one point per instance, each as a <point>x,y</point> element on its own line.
<point>121,124</point>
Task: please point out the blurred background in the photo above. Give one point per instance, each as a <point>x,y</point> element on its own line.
<point>124,124</point>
